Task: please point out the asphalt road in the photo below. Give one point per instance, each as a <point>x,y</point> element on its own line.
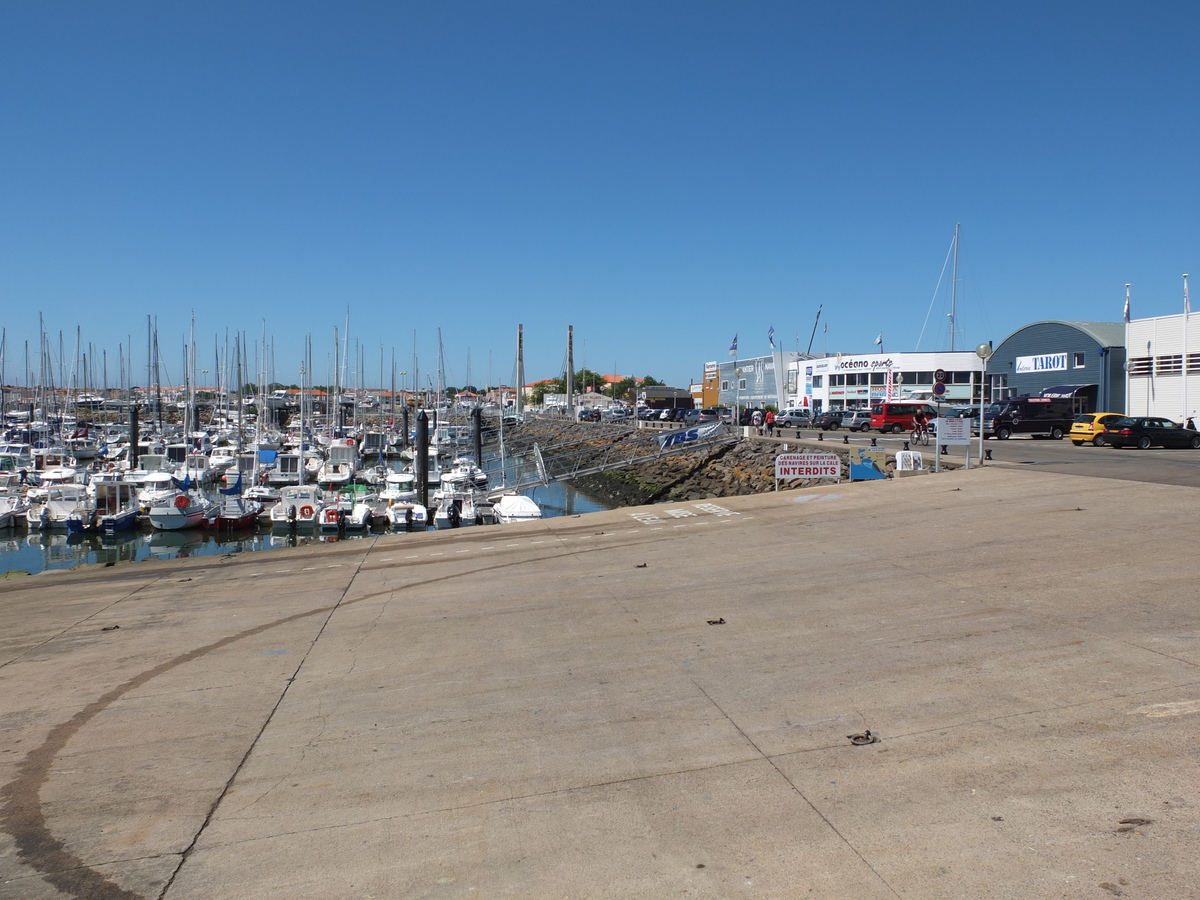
<point>1155,466</point>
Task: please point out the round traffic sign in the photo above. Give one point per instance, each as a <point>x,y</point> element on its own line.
<point>939,375</point>
<point>939,388</point>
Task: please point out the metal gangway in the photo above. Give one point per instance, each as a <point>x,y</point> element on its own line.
<point>567,456</point>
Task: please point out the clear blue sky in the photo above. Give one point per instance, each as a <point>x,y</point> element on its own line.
<point>661,175</point>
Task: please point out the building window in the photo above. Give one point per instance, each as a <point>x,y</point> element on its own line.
<point>1168,365</point>
<point>741,384</point>
<point>818,380</point>
<point>879,378</point>
<point>724,385</point>
<point>1141,365</point>
<point>961,377</point>
<point>1079,360</point>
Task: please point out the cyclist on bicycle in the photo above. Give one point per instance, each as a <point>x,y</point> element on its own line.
<point>920,425</point>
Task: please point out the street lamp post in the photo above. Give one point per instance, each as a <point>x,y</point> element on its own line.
<point>984,352</point>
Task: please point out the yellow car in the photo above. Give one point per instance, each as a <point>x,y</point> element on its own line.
<point>1090,428</point>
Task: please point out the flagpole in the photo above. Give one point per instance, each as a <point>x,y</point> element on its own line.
<point>1127,399</point>
<point>1187,310</point>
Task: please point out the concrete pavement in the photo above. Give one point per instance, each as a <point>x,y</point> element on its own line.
<point>545,711</point>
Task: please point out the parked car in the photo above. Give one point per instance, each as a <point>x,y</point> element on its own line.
<point>962,412</point>
<point>897,415</point>
<point>618,414</point>
<point>1091,428</point>
<point>830,420</point>
<point>709,414</point>
<point>1145,432</point>
<point>857,420</point>
<point>1050,417</point>
<point>794,418</point>
<point>589,415</point>
<point>691,416</point>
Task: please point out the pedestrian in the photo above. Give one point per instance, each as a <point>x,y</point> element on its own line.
<point>770,423</point>
<point>757,421</point>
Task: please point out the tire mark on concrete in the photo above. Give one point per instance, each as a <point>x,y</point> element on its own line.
<point>21,814</point>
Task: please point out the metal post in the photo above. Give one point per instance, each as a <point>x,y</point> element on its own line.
<point>422,458</point>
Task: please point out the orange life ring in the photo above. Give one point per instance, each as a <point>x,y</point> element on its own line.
<point>181,501</point>
<point>306,512</point>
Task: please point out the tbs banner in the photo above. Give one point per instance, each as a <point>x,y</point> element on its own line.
<point>688,435</point>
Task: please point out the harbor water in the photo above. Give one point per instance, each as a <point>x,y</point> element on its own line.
<point>37,551</point>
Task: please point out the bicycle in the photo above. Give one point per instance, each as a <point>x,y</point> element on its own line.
<point>919,436</point>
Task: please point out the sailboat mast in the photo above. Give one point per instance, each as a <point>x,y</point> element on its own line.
<point>954,289</point>
<point>570,385</point>
<point>520,406</point>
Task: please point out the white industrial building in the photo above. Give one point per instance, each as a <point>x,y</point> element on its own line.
<point>846,380</point>
<point>1156,383</point>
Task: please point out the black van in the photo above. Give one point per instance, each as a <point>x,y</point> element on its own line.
<point>1048,416</point>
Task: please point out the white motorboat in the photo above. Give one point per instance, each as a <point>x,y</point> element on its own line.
<point>60,502</point>
<point>455,509</point>
<point>407,515</point>
<point>299,506</point>
<point>512,508</point>
<point>13,509</point>
<point>114,507</point>
<point>180,509</point>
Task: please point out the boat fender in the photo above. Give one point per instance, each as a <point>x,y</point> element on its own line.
<point>181,502</point>
<point>306,512</point>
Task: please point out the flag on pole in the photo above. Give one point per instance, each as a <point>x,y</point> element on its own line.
<point>1126,304</point>
<point>771,336</point>
<point>879,340</point>
<point>1187,306</point>
<point>733,347</point>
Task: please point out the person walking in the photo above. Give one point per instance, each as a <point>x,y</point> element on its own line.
<point>757,421</point>
<point>770,423</point>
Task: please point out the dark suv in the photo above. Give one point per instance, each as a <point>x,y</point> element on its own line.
<point>830,420</point>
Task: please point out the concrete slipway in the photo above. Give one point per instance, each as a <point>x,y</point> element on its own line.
<point>545,711</point>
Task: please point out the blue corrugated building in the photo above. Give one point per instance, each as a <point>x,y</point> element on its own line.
<point>1084,360</point>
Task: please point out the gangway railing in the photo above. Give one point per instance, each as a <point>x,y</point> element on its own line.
<point>606,450</point>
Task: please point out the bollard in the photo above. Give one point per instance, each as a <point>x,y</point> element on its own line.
<point>906,445</point>
<point>820,435</point>
<point>845,438</point>
<point>987,453</point>
<point>944,449</point>
<point>873,444</point>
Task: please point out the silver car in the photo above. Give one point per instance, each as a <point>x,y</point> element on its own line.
<point>857,420</point>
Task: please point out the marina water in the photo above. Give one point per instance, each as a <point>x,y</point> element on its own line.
<point>37,551</point>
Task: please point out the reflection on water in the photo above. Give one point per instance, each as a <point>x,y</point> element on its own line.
<point>37,551</point>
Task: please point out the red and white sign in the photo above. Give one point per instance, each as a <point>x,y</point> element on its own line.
<point>808,465</point>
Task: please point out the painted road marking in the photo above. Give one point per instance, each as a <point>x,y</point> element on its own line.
<point>680,513</point>
<point>715,510</point>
